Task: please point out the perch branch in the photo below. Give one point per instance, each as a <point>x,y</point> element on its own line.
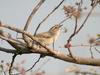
<point>60,55</point>
<point>28,34</point>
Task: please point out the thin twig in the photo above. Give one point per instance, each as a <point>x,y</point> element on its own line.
<point>13,59</point>
<point>33,13</point>
<point>41,66</point>
<point>64,20</point>
<point>34,64</point>
<point>70,53</point>
<point>75,24</point>
<point>48,16</point>
<point>73,34</point>
<point>91,51</point>
<point>3,70</point>
<point>97,50</point>
<point>85,19</point>
<point>29,20</point>
<point>81,45</point>
<point>76,31</point>
<point>30,67</point>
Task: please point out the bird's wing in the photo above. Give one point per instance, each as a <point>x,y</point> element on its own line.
<point>43,35</point>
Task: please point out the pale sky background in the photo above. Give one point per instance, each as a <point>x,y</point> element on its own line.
<point>16,12</point>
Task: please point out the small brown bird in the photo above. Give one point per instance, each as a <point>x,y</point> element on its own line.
<point>49,37</point>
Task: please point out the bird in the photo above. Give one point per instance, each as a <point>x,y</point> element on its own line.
<point>49,37</point>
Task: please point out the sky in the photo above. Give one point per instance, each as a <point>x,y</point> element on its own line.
<point>16,12</point>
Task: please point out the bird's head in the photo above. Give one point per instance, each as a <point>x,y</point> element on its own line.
<point>55,28</point>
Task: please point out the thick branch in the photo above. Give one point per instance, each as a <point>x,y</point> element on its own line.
<point>13,42</point>
<point>61,56</point>
<point>57,54</point>
<point>28,34</point>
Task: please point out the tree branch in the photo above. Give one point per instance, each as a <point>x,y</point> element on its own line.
<point>13,59</point>
<point>34,64</point>
<point>76,30</point>
<point>60,55</point>
<point>86,19</point>
<point>30,67</point>
<point>29,20</point>
<point>7,50</point>
<point>33,13</point>
<point>53,53</point>
<point>28,34</point>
